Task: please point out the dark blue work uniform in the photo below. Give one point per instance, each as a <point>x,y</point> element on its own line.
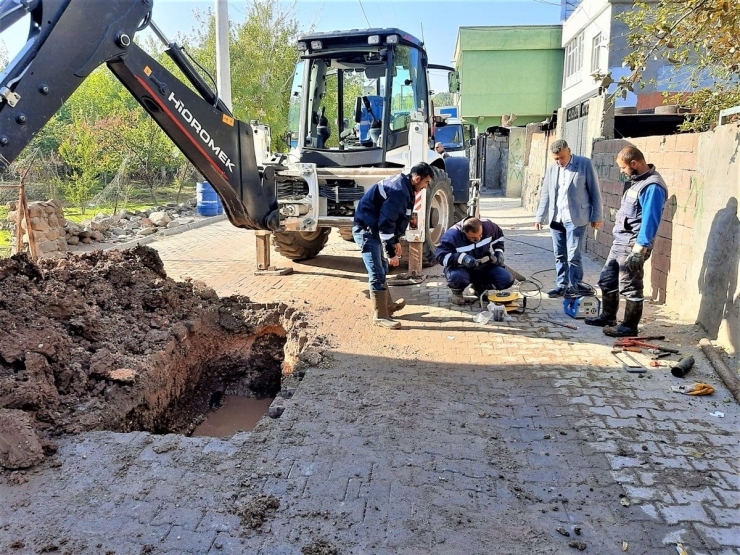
<point>454,245</point>
<point>381,218</point>
<point>636,223</point>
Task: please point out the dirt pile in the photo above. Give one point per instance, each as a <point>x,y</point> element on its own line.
<point>105,340</point>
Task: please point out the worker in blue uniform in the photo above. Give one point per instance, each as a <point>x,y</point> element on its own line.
<point>635,228</point>
<point>471,252</point>
<point>381,218</point>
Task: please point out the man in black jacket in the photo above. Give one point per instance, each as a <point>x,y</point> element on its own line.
<point>381,218</point>
<point>472,253</point>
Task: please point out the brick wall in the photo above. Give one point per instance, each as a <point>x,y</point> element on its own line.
<point>696,258</point>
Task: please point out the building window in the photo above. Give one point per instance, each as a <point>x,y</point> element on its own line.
<point>596,54</point>
<point>573,61</point>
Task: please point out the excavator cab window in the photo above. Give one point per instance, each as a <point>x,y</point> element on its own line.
<point>348,91</point>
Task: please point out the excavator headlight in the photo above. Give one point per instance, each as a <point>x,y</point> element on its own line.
<point>373,39</point>
<point>316,45</point>
<point>302,46</point>
<point>392,39</point>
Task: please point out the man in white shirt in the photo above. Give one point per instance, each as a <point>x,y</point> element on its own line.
<point>571,198</point>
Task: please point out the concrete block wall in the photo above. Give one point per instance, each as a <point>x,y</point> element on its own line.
<point>696,258</point>
<point>537,161</point>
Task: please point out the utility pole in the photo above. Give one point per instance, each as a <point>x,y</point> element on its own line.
<point>223,66</point>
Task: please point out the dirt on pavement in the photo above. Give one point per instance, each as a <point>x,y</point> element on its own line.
<point>106,341</point>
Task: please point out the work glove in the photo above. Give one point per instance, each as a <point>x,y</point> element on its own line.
<point>695,389</point>
<point>467,261</point>
<point>635,261</point>
<point>497,257</point>
<point>390,248</point>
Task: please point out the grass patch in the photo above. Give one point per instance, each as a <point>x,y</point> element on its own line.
<point>5,237</point>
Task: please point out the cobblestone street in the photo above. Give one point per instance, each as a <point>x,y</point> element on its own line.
<point>445,437</point>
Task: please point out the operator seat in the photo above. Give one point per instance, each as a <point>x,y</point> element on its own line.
<point>365,118</point>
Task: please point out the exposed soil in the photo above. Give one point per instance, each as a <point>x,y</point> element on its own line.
<point>105,340</point>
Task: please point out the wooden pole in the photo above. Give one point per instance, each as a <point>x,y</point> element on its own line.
<point>19,221</point>
<point>29,231</point>
<point>23,207</point>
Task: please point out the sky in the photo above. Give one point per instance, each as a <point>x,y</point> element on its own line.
<point>434,21</point>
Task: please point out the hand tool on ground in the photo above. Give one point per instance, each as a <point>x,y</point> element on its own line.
<point>633,367</point>
<point>658,353</point>
<point>632,342</point>
<point>569,326</point>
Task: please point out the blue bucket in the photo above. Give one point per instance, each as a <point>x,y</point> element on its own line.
<point>207,201</point>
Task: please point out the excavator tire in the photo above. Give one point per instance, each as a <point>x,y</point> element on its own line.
<point>440,213</point>
<point>346,233</point>
<point>461,211</point>
<point>301,245</point>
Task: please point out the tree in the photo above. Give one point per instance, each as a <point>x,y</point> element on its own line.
<point>263,55</point>
<point>443,99</point>
<point>701,38</point>
<point>87,156</point>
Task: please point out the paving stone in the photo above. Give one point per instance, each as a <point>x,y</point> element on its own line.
<point>393,420</point>
<point>720,536</point>
<point>693,512</point>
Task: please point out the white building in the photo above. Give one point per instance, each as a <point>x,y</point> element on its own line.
<point>595,44</point>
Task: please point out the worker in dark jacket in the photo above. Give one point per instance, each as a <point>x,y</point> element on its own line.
<point>635,228</point>
<point>472,253</point>
<point>381,218</point>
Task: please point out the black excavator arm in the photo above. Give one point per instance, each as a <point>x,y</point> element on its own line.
<point>68,39</point>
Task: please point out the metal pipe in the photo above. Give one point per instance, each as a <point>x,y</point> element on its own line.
<point>335,221</point>
<point>729,377</point>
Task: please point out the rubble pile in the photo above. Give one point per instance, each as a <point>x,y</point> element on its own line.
<point>54,235</point>
<point>106,341</point>
<point>127,225</point>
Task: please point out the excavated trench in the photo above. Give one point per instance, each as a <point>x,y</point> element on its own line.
<point>249,369</point>
<point>106,341</point>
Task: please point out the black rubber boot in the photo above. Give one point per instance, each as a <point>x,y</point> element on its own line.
<point>609,307</point>
<point>628,326</point>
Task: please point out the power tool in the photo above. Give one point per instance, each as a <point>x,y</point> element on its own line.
<point>512,301</point>
<point>582,307</point>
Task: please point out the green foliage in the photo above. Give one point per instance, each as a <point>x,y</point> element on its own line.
<point>263,55</point>
<point>700,37</point>
<point>101,129</point>
<point>85,152</point>
<point>443,99</point>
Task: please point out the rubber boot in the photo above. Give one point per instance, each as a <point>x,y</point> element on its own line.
<point>609,307</point>
<point>394,306</point>
<point>381,317</point>
<point>457,298</point>
<point>628,326</point>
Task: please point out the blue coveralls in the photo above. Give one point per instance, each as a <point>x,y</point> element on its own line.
<point>455,244</point>
<point>636,222</point>
<point>381,218</point>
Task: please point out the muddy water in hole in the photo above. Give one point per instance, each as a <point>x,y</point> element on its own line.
<point>236,413</point>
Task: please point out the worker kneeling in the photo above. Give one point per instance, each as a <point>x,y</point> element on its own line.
<point>472,253</point>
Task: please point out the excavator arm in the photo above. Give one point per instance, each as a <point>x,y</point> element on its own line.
<point>68,39</point>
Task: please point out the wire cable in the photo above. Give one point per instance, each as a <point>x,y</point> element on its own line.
<point>363,13</point>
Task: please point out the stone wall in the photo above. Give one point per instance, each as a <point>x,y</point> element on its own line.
<point>47,225</point>
<point>696,258</point>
